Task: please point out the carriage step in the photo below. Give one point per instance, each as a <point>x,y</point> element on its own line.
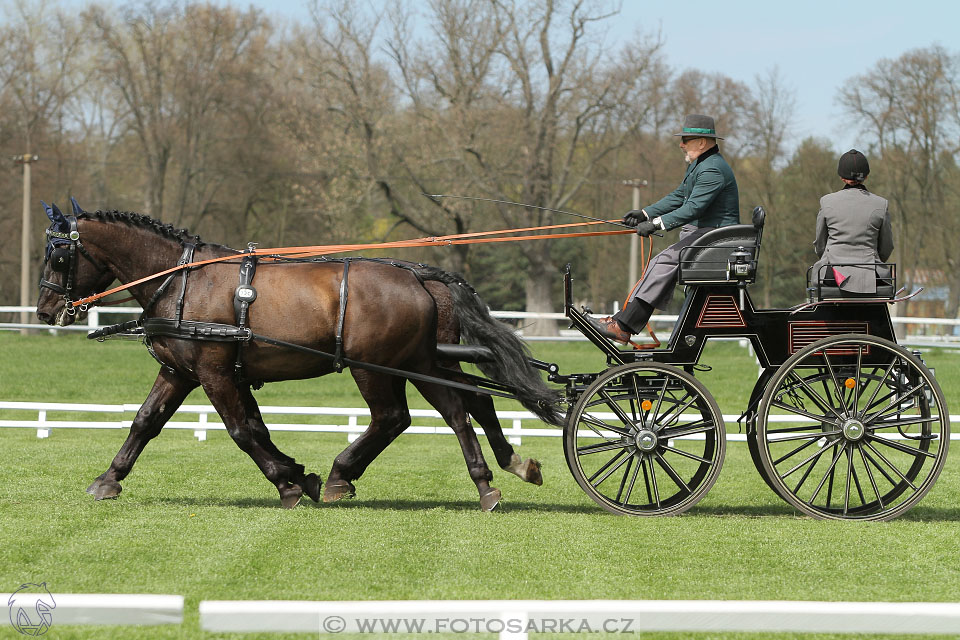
<point>464,353</point>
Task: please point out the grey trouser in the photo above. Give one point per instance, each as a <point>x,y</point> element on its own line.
<point>659,280</point>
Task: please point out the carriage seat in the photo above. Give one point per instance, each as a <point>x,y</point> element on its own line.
<point>823,286</point>
<point>708,258</point>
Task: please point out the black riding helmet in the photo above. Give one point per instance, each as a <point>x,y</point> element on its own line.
<point>853,165</point>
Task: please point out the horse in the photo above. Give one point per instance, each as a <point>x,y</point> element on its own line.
<point>394,316</point>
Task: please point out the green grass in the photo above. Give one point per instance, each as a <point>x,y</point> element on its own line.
<point>198,518</point>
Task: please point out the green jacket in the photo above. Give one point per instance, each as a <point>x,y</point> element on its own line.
<point>707,197</point>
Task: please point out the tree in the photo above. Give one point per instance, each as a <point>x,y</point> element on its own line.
<point>908,108</point>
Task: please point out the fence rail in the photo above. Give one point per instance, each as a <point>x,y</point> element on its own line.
<point>666,321</point>
<point>356,420</point>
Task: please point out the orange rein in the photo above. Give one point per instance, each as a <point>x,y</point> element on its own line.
<point>305,252</point>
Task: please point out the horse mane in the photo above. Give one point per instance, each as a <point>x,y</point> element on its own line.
<point>141,221</point>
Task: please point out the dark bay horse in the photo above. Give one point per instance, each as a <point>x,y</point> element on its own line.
<point>394,317</point>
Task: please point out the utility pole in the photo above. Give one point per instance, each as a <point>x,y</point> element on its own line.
<point>25,241</point>
<point>634,239</point>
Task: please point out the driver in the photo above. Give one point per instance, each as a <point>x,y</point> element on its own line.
<point>853,226</point>
<point>706,199</point>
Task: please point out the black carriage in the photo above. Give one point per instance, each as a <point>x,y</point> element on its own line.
<point>843,423</point>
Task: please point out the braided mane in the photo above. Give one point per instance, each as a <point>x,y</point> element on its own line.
<point>143,222</point>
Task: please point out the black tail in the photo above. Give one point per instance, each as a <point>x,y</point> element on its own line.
<point>510,355</point>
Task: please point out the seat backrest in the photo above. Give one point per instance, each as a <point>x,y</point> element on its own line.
<point>707,257</point>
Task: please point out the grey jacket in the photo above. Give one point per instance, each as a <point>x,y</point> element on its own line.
<point>853,226</point>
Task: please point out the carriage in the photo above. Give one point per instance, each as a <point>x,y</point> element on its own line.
<point>843,423</point>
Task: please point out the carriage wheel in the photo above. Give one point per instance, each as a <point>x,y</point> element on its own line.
<point>645,439</point>
<point>868,431</point>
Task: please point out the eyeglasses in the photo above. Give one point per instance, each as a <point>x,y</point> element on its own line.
<point>688,139</point>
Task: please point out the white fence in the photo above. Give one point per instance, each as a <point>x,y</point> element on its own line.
<point>510,619</point>
<point>515,619</point>
<point>356,420</point>
<point>921,339</point>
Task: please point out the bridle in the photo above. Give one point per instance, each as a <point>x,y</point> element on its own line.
<point>66,259</point>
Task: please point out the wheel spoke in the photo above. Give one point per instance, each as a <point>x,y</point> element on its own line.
<point>653,481</point>
<point>896,470</point>
<point>813,457</point>
<point>609,445</point>
<point>880,384</point>
<point>896,402</point>
<point>833,465</point>
<point>593,422</point>
<point>633,480</point>
<point>807,436</point>
<point>688,430</point>
<point>623,481</point>
<point>800,412</point>
<point>879,468</point>
<point>794,452</point>
<point>846,488</point>
<point>900,447</point>
<point>873,482</point>
<point>836,382</point>
<point>687,454</point>
<point>668,418</point>
<point>813,395</point>
<point>656,409</point>
<point>677,480</point>
<point>609,468</point>
<point>886,424</point>
<point>856,387</point>
<point>617,409</point>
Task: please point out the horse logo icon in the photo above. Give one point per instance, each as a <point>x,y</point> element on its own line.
<point>31,609</point>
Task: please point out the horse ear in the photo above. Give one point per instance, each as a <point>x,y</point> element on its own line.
<point>58,214</point>
<point>77,209</point>
<point>49,212</point>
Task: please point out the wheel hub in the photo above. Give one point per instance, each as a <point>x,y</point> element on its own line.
<point>853,430</point>
<point>646,440</point>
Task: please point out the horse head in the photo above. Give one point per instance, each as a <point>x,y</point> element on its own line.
<point>69,272</point>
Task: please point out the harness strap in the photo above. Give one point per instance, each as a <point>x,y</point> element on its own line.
<point>243,297</point>
<point>183,279</point>
<point>341,314</point>
<point>185,258</point>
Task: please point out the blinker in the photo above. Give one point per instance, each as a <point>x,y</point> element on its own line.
<point>60,259</point>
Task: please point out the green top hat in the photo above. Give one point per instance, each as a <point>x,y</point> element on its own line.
<point>697,126</point>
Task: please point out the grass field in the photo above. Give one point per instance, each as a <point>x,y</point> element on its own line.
<point>198,519</point>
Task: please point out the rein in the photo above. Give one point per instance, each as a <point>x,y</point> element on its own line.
<point>478,237</point>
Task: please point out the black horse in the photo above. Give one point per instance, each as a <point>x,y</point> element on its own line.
<point>394,316</point>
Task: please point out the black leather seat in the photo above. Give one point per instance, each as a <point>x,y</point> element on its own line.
<point>707,259</point>
<point>823,286</point>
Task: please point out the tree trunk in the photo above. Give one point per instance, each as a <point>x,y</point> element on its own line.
<point>539,291</point>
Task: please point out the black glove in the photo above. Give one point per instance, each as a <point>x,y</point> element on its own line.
<point>634,217</point>
<point>644,229</point>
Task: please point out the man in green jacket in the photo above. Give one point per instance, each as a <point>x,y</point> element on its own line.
<point>705,200</point>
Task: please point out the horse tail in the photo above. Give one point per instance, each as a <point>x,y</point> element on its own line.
<point>510,363</point>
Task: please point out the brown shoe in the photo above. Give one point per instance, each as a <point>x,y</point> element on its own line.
<point>610,329</point>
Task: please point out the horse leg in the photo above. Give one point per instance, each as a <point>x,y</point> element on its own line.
<point>309,483</point>
<point>481,408</point>
<point>450,404</point>
<point>168,393</point>
<point>229,399</point>
<point>389,417</point>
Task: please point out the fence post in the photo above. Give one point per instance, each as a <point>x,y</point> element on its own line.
<point>201,434</point>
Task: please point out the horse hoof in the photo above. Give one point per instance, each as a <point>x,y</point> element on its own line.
<point>532,472</point>
<point>290,496</point>
<point>490,500</point>
<point>311,486</point>
<point>92,489</point>
<point>339,490</point>
<point>107,490</point>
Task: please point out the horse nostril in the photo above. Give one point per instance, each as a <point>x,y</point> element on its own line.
<point>45,318</point>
